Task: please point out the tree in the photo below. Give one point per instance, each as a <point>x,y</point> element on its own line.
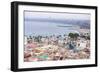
<point>73,35</point>
<point>76,35</point>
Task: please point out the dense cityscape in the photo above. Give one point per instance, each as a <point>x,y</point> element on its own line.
<point>57,47</point>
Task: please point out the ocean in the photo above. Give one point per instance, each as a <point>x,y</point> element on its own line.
<point>47,28</point>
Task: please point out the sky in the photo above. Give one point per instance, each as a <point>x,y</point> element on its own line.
<point>55,16</point>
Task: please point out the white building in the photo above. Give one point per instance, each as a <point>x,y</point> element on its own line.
<point>25,40</point>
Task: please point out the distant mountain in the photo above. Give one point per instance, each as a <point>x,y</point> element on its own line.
<point>82,23</point>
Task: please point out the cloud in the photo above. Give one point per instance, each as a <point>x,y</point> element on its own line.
<point>51,16</point>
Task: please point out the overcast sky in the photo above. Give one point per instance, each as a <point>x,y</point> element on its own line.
<point>56,16</point>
